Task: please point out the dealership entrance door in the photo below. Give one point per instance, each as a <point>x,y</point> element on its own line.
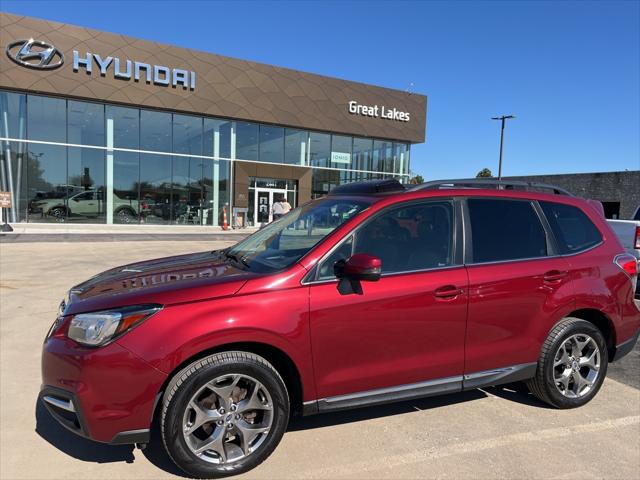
<point>263,201</point>
<point>263,193</point>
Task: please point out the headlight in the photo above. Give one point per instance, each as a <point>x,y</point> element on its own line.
<point>97,328</point>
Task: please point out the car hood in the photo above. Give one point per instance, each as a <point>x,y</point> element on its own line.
<point>177,279</point>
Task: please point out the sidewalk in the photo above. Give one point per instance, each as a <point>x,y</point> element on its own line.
<point>69,232</point>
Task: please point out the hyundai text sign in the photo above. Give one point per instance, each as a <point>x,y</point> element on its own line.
<point>378,111</point>
<point>41,55</point>
<point>35,54</point>
<point>156,74</point>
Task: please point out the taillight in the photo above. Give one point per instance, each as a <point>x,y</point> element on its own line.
<point>636,244</point>
<point>629,265</point>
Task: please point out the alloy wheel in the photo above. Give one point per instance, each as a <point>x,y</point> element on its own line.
<point>576,366</point>
<point>228,418</point>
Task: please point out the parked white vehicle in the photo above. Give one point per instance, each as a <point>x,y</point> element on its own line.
<point>89,203</point>
<point>628,231</point>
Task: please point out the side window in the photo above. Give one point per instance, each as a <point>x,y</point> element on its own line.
<point>572,228</point>
<point>414,237</point>
<point>325,271</point>
<point>505,230</point>
<point>84,196</point>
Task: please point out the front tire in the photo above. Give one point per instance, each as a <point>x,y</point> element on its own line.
<point>224,415</point>
<point>59,214</point>
<point>572,366</point>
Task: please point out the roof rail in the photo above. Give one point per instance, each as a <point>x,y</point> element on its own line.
<point>491,183</point>
<point>368,187</point>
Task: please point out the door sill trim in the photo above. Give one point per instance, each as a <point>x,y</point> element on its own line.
<point>428,388</point>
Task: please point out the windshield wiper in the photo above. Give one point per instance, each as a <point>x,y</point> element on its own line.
<point>236,258</point>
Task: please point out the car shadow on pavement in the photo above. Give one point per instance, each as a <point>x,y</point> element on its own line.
<point>75,446</point>
<point>86,450</point>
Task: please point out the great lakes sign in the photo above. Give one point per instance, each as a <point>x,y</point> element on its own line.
<point>41,55</point>
<point>377,111</point>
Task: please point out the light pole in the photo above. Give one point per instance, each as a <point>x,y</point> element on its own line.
<point>502,118</point>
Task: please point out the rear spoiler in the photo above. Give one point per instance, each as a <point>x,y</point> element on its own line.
<point>597,206</point>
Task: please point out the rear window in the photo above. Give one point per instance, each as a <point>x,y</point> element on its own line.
<point>571,227</point>
<point>505,230</point>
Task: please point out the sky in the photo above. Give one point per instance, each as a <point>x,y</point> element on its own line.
<point>569,71</point>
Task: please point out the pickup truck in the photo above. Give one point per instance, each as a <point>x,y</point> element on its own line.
<point>628,231</point>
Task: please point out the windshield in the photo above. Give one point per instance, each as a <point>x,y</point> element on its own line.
<point>285,241</point>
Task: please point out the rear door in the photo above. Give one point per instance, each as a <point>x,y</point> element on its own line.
<point>516,283</point>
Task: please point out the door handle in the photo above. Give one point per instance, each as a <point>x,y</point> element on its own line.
<point>554,276</point>
<point>448,292</point>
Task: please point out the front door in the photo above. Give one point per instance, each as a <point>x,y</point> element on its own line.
<point>264,200</point>
<point>406,328</point>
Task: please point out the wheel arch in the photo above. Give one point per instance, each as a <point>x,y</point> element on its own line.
<point>60,206</point>
<point>280,360</point>
<point>602,322</point>
<point>128,208</point>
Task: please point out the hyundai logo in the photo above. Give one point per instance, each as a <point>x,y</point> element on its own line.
<point>35,54</point>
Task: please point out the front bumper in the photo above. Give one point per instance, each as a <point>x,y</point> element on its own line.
<point>106,394</point>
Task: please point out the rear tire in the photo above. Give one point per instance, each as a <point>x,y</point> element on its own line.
<point>126,215</point>
<point>572,365</point>
<point>224,415</point>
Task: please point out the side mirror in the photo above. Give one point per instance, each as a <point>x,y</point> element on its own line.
<point>360,266</point>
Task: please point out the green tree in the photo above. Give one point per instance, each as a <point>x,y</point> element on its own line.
<point>416,180</point>
<point>484,173</point>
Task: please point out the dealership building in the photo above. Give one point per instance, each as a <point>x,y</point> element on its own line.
<point>102,128</point>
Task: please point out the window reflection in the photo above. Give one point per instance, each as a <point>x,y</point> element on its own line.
<point>271,144</point>
<point>46,119</point>
<point>362,151</point>
<point>187,134</point>
<point>48,191</point>
<point>126,126</point>
<point>382,156</point>
<point>246,141</point>
<point>158,188</point>
<point>295,146</point>
<point>85,123</point>
<point>126,174</point>
<point>340,151</point>
<point>319,149</point>
<point>87,174</point>
<point>217,138</point>
<point>155,188</point>
<point>13,174</point>
<point>155,131</point>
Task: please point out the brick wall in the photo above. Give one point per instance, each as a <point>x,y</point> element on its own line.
<point>623,187</point>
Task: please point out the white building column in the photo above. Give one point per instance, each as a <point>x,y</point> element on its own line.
<point>109,173</point>
<point>216,175</point>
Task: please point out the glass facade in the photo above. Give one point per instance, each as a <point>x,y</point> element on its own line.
<point>73,161</point>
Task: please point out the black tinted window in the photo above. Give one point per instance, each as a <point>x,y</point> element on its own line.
<point>415,237</point>
<point>572,228</point>
<point>505,230</point>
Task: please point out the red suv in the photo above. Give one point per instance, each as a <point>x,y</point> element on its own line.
<point>372,294</point>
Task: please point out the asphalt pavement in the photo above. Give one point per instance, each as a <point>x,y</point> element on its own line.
<point>500,432</point>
